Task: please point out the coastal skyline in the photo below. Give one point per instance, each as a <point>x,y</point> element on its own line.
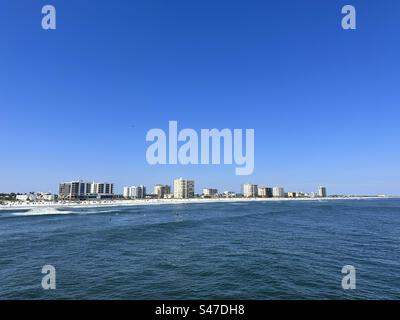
<point>181,188</point>
<point>77,101</point>
<point>120,189</point>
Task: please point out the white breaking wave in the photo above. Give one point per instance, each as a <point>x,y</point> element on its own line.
<point>39,211</point>
<point>42,211</point>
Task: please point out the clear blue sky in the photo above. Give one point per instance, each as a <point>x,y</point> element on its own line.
<point>76,102</point>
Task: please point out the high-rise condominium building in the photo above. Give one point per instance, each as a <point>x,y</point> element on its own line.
<point>80,190</point>
<point>161,190</point>
<point>250,190</point>
<point>265,192</point>
<point>135,192</point>
<point>209,192</point>
<point>278,192</point>
<point>322,192</point>
<point>183,188</point>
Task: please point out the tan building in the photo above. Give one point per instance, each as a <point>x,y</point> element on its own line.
<point>183,188</point>
<point>250,190</point>
<point>264,192</point>
<point>161,190</point>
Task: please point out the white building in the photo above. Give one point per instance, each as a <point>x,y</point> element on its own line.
<point>161,190</point>
<point>22,197</point>
<point>80,190</point>
<point>37,196</point>
<point>135,192</point>
<point>278,192</point>
<point>229,194</point>
<point>126,192</point>
<point>26,197</point>
<point>322,192</point>
<point>250,190</point>
<point>209,192</point>
<point>45,196</point>
<point>183,188</point>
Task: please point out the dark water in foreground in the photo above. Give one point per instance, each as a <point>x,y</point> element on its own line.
<point>270,250</point>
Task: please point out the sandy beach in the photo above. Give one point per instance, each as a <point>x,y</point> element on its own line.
<point>141,202</point>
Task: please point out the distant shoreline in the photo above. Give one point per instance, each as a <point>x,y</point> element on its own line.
<point>141,202</point>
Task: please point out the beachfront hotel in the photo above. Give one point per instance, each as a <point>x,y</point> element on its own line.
<point>183,188</point>
<point>80,190</point>
<point>135,192</point>
<point>250,190</point>
<point>278,192</point>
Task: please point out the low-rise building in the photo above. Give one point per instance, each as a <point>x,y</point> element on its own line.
<point>35,196</point>
<point>45,196</point>
<point>229,194</point>
<point>26,197</point>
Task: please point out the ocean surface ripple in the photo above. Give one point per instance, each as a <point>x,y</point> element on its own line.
<point>251,250</point>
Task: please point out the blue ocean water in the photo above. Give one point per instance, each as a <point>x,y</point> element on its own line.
<point>245,250</point>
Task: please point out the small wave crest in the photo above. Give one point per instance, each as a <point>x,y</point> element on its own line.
<point>41,212</point>
<point>63,211</point>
